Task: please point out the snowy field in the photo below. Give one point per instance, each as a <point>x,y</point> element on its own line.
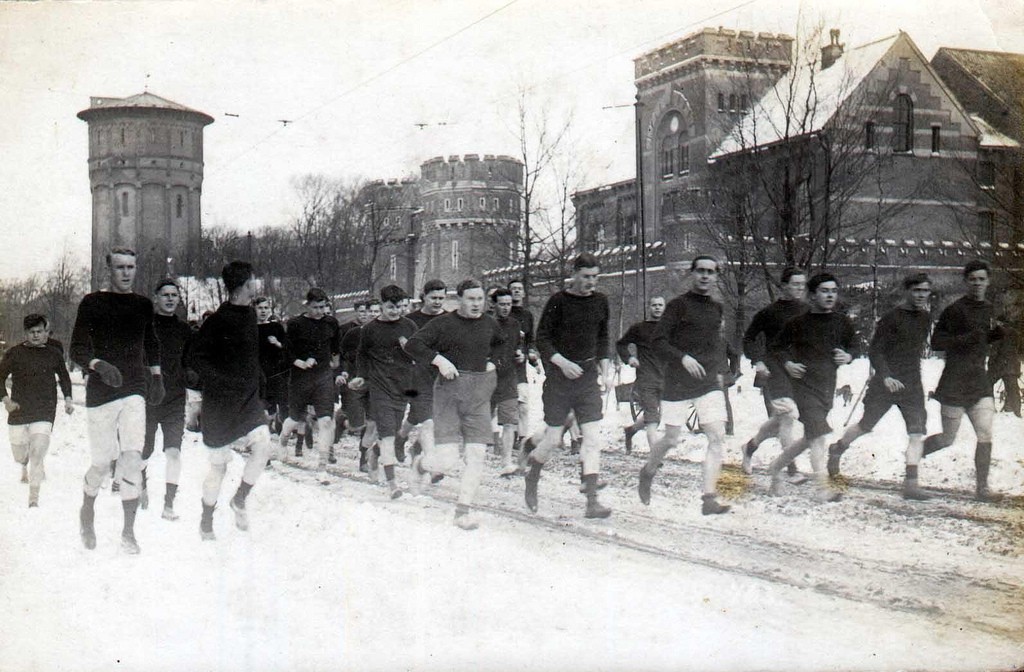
<point>334,576</point>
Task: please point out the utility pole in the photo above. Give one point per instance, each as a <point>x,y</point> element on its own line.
<point>641,224</point>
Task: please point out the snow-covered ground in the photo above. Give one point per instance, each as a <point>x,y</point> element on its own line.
<point>334,576</point>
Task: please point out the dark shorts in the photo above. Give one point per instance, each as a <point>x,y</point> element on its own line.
<point>387,412</point>
<point>507,388</point>
<point>354,403</point>
<point>582,396</point>
<point>521,372</point>
<point>314,389</point>
<point>421,406</point>
<point>462,407</point>
<point>878,401</point>
<point>276,390</point>
<point>813,413</point>
<point>171,420</point>
<point>649,397</point>
<point>507,411</point>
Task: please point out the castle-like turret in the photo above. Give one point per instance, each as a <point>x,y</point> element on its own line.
<point>146,177</point>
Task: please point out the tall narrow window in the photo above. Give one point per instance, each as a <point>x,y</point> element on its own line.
<point>936,139</point>
<point>684,157</point>
<point>458,205</point>
<point>393,267</point>
<point>732,102</point>
<point>179,206</point>
<point>987,226</point>
<point>721,102</point>
<point>447,204</point>
<point>668,162</point>
<point>494,204</point>
<point>903,125</point>
<point>124,203</point>
<point>986,175</point>
<point>455,255</point>
<point>483,202</point>
<point>744,102</point>
<point>869,135</point>
<point>122,135</point>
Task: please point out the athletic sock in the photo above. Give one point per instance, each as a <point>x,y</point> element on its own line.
<point>932,444</point>
<point>535,468</point>
<point>389,472</point>
<point>130,507</point>
<point>912,473</point>
<point>461,510</point>
<point>749,448</point>
<point>172,490</point>
<point>242,493</point>
<point>590,486</point>
<point>982,462</point>
<point>206,522</point>
<point>89,503</point>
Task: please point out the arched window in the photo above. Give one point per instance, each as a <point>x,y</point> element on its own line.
<point>674,150</point>
<point>903,124</point>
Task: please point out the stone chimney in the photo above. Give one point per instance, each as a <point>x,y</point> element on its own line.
<point>831,52</point>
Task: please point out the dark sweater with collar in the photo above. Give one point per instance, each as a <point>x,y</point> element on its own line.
<point>574,326</point>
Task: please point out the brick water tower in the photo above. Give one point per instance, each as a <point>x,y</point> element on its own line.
<point>146,178</point>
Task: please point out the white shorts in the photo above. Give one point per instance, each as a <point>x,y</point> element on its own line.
<point>223,454</point>
<point>785,406</point>
<point>193,396</point>
<point>710,408</point>
<point>522,393</point>
<point>20,433</point>
<point>115,427</point>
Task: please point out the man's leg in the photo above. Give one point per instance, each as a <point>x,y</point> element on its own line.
<point>836,450</point>
<point>508,440</point>
<point>388,461</point>
<point>817,448</point>
<point>951,417</point>
<point>715,431</point>
<point>258,440</point>
<point>324,439</point>
<point>103,447</point>
<point>981,415</point>
<point>659,448</point>
<point>219,458</point>
<point>590,456</point>
<point>788,454</point>
<point>1012,394</point>
<point>153,418</point>
<point>172,456</point>
<point>915,447</point>
<point>470,484</point>
<point>551,438</point>
<point>131,432</point>
<point>38,444</point>
<point>20,439</point>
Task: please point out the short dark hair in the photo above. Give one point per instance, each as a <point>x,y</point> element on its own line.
<point>315,294</point>
<point>392,294</point>
<point>585,260</point>
<point>499,292</point>
<point>514,281</point>
<point>915,279</point>
<point>127,251</point>
<point>166,282</point>
<point>235,274</point>
<point>372,302</point>
<point>434,285</point>
<point>361,303</point>
<point>789,271</point>
<point>468,283</point>
<point>820,279</point>
<point>703,257</point>
<point>34,320</point>
<point>259,300</point>
<point>977,265</point>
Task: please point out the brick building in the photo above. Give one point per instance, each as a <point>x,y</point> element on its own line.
<point>460,218</point>
<point>146,178</point>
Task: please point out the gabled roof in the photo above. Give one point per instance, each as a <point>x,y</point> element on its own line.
<point>989,137</point>
<point>999,74</point>
<point>805,99</point>
<point>139,100</point>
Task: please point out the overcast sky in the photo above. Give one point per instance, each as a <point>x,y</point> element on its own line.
<point>356,78</point>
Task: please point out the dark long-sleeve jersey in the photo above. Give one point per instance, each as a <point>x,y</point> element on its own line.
<point>319,339</point>
<point>33,370</point>
<point>117,328</point>
<point>468,343</point>
<point>691,325</point>
<point>349,349</point>
<point>641,335</point>
<point>574,326</point>
<point>766,325</point>
<point>423,373</point>
<point>273,359</point>
<point>226,353</point>
<point>173,335</point>
<point>898,344</point>
<point>809,339</point>
<point>507,365</point>
<point>527,340</point>
<point>380,359</point>
<point>963,332</point>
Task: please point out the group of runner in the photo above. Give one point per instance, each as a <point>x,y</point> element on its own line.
<point>455,382</point>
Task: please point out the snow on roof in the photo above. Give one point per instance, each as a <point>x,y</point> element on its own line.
<point>139,100</point>
<point>990,137</point>
<point>816,97</point>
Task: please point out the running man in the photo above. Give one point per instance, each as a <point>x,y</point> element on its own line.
<point>768,374</point>
<point>573,337</point>
<point>636,348</point>
<point>421,403</point>
<point>169,416</point>
<point>31,405</point>
<point>353,402</point>
<point>522,313</point>
<point>465,346</point>
<point>115,343</point>
<point>964,331</point>
<point>895,353</point>
<point>811,347</point>
<point>688,339</point>
<point>384,367</point>
<point>505,398</point>
<point>273,362</point>
<point>314,339</point>
<point>227,355</point>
